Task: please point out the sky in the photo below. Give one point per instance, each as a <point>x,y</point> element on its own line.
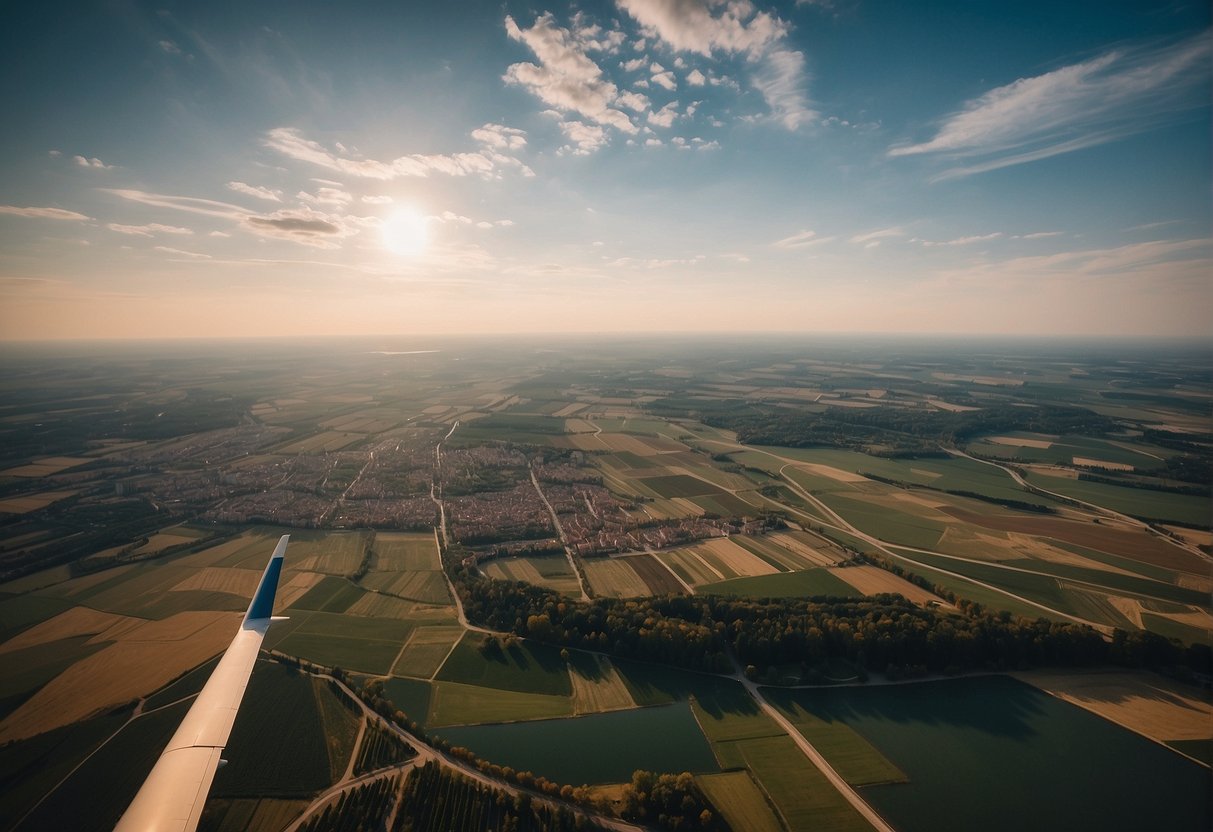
<point>418,168</point>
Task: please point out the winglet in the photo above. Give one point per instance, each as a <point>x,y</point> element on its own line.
<point>262,606</point>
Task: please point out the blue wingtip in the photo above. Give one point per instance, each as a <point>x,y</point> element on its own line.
<point>263,601</point>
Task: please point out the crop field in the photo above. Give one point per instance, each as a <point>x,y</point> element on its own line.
<point>399,552</point>
<point>44,467</point>
<point>330,595</point>
<point>1136,502</point>
<point>872,580</point>
<point>32,502</point>
<point>280,720</point>
<point>731,560</point>
<point>803,796</point>
<point>239,582</point>
<point>513,569</point>
<point>426,587</point>
<point>817,582</point>
<point>334,553</point>
<point>426,649</point>
<point>526,666</point>
<point>98,792</point>
<point>680,485</point>
<point>985,742</point>
<point>743,804</point>
<point>146,658</point>
<point>1143,702</point>
<point>791,551</point>
<point>326,442</point>
<point>409,695</point>
<point>655,576</point>
<point>614,578</point>
<point>354,643</point>
<point>664,738</point>
<point>689,566</point>
<point>886,523</point>
<point>853,757</point>
<point>453,703</point>
<point>250,814</point>
<point>597,685</point>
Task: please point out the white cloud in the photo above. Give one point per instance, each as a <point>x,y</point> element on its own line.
<point>255,191</point>
<point>1108,97</point>
<point>170,47</point>
<point>633,65</point>
<point>690,25</point>
<point>193,205</point>
<point>565,78</point>
<point>94,163</point>
<point>733,27</point>
<point>665,116</point>
<point>43,213</point>
<point>485,163</point>
<point>377,200</point>
<point>802,239</point>
<point>634,101</point>
<point>1036,235</point>
<point>586,138</point>
<point>652,142</point>
<point>895,231</point>
<point>147,230</point>
<point>780,79</point>
<point>665,79</point>
<point>500,137</point>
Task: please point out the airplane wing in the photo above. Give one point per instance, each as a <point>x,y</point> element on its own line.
<point>174,793</point>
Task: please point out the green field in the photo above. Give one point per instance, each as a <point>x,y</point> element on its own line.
<point>330,595</point>
<point>807,584</point>
<point>737,797</point>
<point>426,650</point>
<point>680,485</point>
<point>980,745</point>
<point>853,757</point>
<point>527,667</point>
<point>886,523</point>
<point>96,794</point>
<point>411,696</point>
<point>453,703</point>
<point>804,797</point>
<point>599,748</point>
<point>187,685</point>
<point>350,642</point>
<point>1143,503</point>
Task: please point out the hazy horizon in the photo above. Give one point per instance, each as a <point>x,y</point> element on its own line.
<point>634,166</point>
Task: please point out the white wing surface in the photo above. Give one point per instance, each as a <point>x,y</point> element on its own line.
<point>174,793</point>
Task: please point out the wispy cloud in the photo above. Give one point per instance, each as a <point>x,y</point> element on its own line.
<point>181,253</point>
<point>780,79</point>
<point>486,162</point>
<point>802,239</point>
<point>585,138</point>
<point>879,234</point>
<point>255,191</point>
<point>94,163</point>
<point>147,230</point>
<point>1117,94</point>
<point>565,77</point>
<point>43,213</point>
<point>193,205</point>
<point>963,241</point>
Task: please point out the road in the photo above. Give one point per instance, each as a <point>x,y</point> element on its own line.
<point>568,550</point>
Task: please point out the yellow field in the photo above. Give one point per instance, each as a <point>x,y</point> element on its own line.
<point>742,561</point>
<point>375,605</point>
<point>333,554</point>
<point>624,442</point>
<point>242,582</point>
<point>161,541</point>
<point>836,474</point>
<point>327,441</point>
<point>739,799</point>
<point>32,502</point>
<point>823,555</point>
<point>1087,462</point>
<point>1019,442</point>
<point>404,552</point>
<point>512,570</point>
<point>292,589</point>
<point>44,467</point>
<point>607,692</point>
<point>148,657</point>
<point>872,580</point>
<point>1142,702</point>
<point>78,621</point>
<point>614,578</point>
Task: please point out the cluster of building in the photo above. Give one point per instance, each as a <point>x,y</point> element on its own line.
<point>489,516</point>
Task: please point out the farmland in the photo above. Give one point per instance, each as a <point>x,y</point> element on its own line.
<point>683,486</point>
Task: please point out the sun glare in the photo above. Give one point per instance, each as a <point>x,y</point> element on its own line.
<point>406,233</point>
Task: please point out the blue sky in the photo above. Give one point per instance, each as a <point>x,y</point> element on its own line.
<point>639,165</point>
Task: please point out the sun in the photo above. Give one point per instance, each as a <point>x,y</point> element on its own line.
<point>406,233</point>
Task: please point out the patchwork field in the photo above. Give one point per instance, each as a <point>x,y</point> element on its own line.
<point>872,580</point>
<point>401,552</point>
<point>740,800</point>
<point>614,578</point>
<point>32,502</point>
<point>426,650</point>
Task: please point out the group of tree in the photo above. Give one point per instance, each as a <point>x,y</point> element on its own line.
<point>874,633</point>
<point>672,801</point>
<point>363,809</point>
